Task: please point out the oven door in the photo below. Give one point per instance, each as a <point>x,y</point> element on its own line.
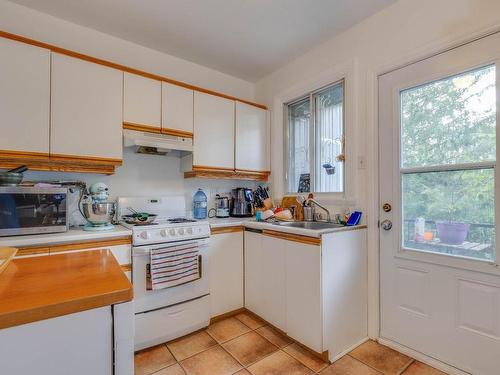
<point>146,299</point>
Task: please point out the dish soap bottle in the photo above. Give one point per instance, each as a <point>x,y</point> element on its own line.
<point>200,205</point>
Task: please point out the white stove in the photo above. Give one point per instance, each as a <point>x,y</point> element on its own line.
<point>165,314</point>
<point>171,224</point>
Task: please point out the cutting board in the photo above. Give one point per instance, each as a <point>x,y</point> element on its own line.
<point>6,255</point>
<point>291,200</point>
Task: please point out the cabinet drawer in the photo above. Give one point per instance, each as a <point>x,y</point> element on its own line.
<point>158,326</point>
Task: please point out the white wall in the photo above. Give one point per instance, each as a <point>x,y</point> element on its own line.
<point>399,34</point>
<point>29,23</point>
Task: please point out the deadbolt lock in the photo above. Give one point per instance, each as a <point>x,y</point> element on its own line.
<point>387,207</point>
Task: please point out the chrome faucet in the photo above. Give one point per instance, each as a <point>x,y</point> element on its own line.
<point>311,200</point>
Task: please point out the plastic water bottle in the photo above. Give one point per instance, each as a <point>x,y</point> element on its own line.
<point>200,205</point>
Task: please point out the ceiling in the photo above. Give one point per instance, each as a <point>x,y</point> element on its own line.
<point>244,38</point>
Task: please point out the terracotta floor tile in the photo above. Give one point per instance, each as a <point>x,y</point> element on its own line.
<point>190,345</point>
<point>171,370</point>
<point>243,372</point>
<point>152,360</point>
<point>349,366</point>
<point>214,361</point>
<point>249,348</point>
<point>381,357</point>
<point>419,368</point>
<point>250,320</point>
<point>274,336</point>
<point>305,357</point>
<point>279,363</point>
<point>227,329</point>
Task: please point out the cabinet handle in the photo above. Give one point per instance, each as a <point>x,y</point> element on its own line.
<point>253,230</point>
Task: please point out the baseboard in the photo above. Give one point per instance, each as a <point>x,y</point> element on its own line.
<point>341,354</point>
<point>422,357</point>
<point>226,315</point>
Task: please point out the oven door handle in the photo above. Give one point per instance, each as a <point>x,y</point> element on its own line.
<point>200,273</point>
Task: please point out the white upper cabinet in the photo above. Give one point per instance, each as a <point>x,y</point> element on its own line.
<point>177,108</point>
<point>213,144</point>
<point>24,97</point>
<point>252,138</point>
<point>141,100</point>
<point>86,109</point>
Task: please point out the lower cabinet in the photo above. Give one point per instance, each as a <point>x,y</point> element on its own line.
<point>79,344</point>
<point>312,289</point>
<point>265,278</point>
<point>226,271</point>
<point>303,294</point>
<point>97,341</point>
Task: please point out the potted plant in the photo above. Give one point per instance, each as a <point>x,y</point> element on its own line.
<point>450,231</point>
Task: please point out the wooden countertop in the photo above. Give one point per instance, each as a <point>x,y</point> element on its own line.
<point>38,288</point>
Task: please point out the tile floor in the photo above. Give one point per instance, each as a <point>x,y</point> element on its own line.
<point>244,344</point>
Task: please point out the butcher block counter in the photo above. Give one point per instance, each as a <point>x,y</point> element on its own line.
<point>38,288</point>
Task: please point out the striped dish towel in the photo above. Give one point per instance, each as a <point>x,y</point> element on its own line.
<point>175,265</point>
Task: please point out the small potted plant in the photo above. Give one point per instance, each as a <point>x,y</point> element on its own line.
<point>450,231</point>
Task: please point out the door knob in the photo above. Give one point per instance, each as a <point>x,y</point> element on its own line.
<point>386,224</point>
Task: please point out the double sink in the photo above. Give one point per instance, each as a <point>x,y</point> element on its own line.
<point>312,225</point>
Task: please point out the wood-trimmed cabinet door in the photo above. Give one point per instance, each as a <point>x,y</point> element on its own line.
<point>304,320</point>
<point>213,145</point>
<point>141,101</point>
<point>226,272</point>
<point>177,110</point>
<point>24,97</point>
<point>252,147</point>
<point>86,109</point>
<point>265,278</point>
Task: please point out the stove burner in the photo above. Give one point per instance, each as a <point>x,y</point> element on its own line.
<point>177,220</point>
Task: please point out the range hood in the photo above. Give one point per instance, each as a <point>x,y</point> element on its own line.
<point>153,143</point>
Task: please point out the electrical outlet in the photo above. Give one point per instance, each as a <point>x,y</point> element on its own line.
<point>361,162</point>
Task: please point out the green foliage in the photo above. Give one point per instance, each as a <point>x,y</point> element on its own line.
<point>451,121</point>
<point>443,124</point>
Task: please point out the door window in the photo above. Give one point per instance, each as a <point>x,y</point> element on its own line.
<point>448,155</point>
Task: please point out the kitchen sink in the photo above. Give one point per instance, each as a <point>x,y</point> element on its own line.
<point>313,225</point>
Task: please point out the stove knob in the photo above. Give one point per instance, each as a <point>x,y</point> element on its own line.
<point>189,231</point>
<point>163,233</point>
<point>172,232</point>
<point>144,235</point>
<point>181,231</point>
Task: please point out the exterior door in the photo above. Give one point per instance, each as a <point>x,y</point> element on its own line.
<point>439,274</point>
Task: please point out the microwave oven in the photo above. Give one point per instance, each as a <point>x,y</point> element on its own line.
<point>33,210</point>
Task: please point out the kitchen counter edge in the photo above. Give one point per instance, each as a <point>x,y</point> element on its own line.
<point>74,234</point>
<point>251,223</point>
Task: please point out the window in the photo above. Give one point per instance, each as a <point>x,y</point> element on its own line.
<point>315,141</point>
<point>448,157</point>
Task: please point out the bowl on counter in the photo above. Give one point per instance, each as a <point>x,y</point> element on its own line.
<point>99,213</point>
